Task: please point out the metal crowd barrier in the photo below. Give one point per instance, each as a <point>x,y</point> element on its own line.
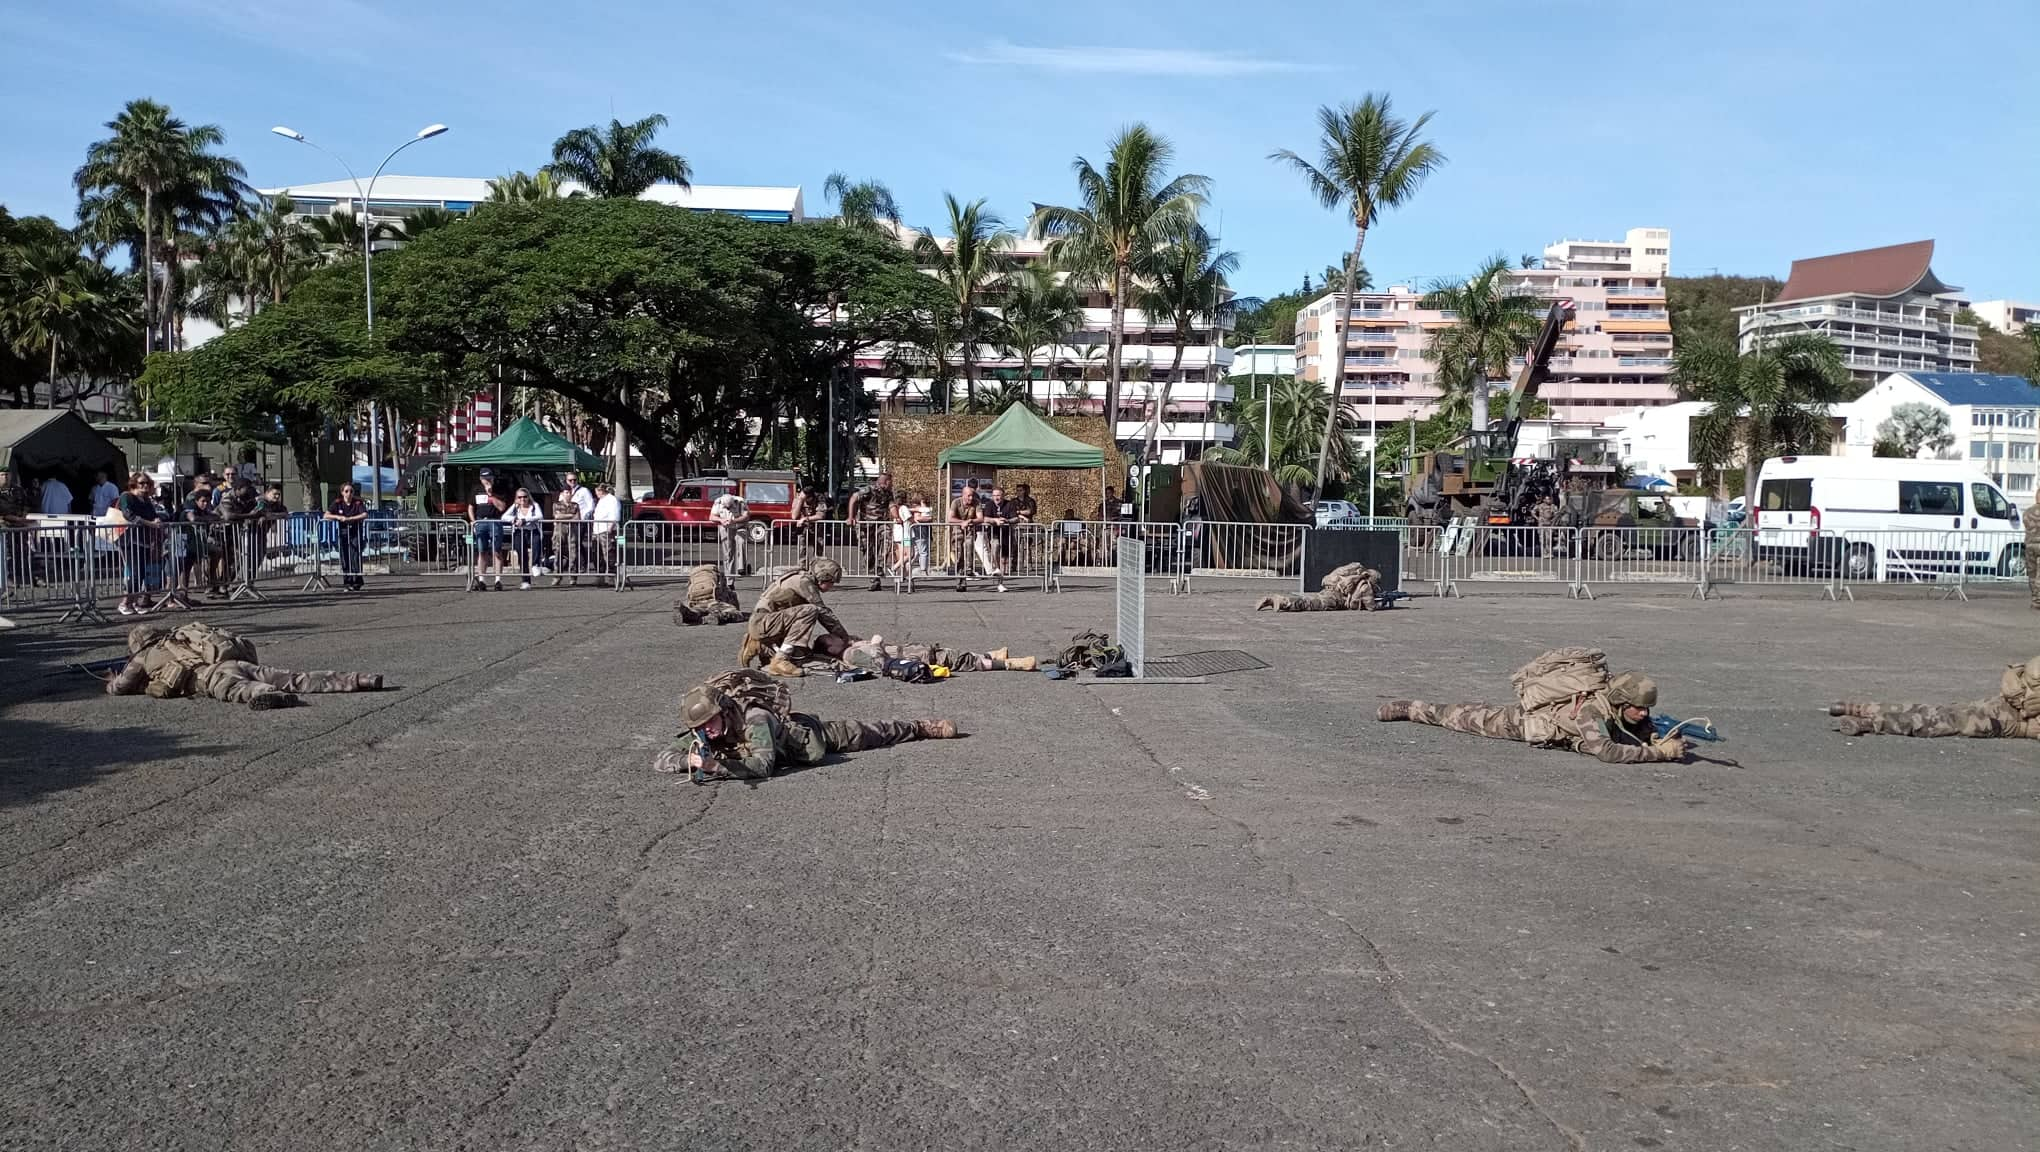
<point>1241,550</point>
<point>1090,548</point>
<point>1948,561</point>
<point>937,551</point>
<point>1638,556</point>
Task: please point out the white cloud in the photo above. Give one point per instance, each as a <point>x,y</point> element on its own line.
<point>1125,61</point>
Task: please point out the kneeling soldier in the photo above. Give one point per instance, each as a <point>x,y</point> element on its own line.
<point>708,598</point>
<point>2013,713</point>
<point>787,614</point>
<point>201,660</point>
<point>741,724</point>
<point>1347,588</point>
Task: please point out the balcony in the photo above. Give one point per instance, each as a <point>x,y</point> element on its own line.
<point>1644,361</point>
<point>1638,313</point>
<point>1371,338</point>
<point>1634,291</point>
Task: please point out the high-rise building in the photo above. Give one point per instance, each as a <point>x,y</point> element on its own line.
<point>1883,307</point>
<point>2007,315</point>
<point>1616,354</point>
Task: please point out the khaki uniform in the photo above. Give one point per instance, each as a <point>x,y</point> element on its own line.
<point>789,611</point>
<point>871,656</point>
<point>1591,727</point>
<point>2013,713</point>
<point>200,660</point>
<point>1548,533</point>
<point>2033,553</point>
<point>1347,588</point>
<point>708,598</point>
<point>769,744</point>
<point>566,538</point>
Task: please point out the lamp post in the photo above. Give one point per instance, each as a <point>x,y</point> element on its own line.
<point>368,271</point>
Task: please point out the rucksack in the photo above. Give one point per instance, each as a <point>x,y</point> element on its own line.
<point>198,644</point>
<point>2021,688</point>
<point>1088,649</point>
<point>751,688</point>
<point>1560,676</point>
<point>908,670</point>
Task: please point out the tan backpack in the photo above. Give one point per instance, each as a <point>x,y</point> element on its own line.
<point>194,645</point>
<point>1560,676</point>
<point>2020,686</point>
<point>751,688</point>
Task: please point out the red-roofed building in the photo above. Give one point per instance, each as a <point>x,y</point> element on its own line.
<point>1883,307</point>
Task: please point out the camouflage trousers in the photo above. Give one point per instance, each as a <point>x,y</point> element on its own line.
<point>775,627</point>
<point>1504,723</point>
<point>693,611</point>
<point>2033,554</point>
<point>809,738</point>
<point>239,682</point>
<point>1980,719</point>
<point>1329,600</point>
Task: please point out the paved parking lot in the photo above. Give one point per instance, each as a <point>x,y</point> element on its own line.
<point>463,914</point>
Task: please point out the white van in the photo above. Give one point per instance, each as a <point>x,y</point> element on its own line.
<point>1885,519</point>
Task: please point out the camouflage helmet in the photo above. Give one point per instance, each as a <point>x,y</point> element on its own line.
<point>145,635</point>
<point>702,704</point>
<point>1632,690</point>
<point>826,572</point>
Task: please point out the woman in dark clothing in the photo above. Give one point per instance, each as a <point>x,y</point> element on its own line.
<point>350,517</point>
<point>141,542</point>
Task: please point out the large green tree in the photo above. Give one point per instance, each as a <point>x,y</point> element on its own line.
<point>1703,307</point>
<point>1124,214</point>
<point>2005,353</point>
<point>1039,310</point>
<point>1291,438</point>
<point>151,177</point>
<point>971,266</point>
<point>1493,325</point>
<point>1187,284</point>
<point>70,318</point>
<point>1369,159</point>
<point>619,161</point>
<point>862,204</point>
<point>1769,401</point>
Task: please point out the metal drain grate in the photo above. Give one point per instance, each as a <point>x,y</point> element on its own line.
<point>1211,663</point>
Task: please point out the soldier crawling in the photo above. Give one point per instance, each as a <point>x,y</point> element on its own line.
<point>1567,700</point>
<point>709,597</point>
<point>1347,588</point>
<point>2011,714</point>
<point>788,612</point>
<point>741,725</point>
<point>878,654</point>
<point>201,660</point>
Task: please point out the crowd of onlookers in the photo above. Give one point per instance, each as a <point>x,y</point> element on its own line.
<point>576,536</point>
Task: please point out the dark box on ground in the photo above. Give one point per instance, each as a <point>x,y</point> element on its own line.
<point>1326,548</point>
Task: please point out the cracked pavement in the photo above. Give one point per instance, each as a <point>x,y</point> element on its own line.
<point>466,915</point>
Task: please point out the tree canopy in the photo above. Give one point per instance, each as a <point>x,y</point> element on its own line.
<point>1703,307</point>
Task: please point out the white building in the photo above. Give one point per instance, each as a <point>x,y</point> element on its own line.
<point>1995,421</point>
<point>1883,307</point>
<point>1616,354</point>
<point>398,196</point>
<point>2006,315</point>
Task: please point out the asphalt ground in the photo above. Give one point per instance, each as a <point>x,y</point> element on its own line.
<point>463,914</point>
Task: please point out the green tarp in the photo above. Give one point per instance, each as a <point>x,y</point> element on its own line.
<point>528,445</point>
<point>1020,439</point>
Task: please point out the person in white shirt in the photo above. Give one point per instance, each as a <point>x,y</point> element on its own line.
<point>731,514</point>
<point>104,495</point>
<point>56,497</point>
<point>608,520</point>
<point>526,520</point>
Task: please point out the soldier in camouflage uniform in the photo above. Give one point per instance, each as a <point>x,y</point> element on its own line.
<point>2033,553</point>
<point>788,612</point>
<point>1347,588</point>
<point>708,598</point>
<point>874,654</point>
<point>1612,725</point>
<point>201,660</point>
<point>2013,713</point>
<point>741,724</point>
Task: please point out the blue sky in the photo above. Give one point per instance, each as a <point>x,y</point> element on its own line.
<point>1757,132</point>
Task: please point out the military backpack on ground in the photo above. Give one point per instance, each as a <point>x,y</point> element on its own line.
<point>1089,649</point>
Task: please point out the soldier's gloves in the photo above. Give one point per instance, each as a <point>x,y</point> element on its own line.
<point>1670,748</point>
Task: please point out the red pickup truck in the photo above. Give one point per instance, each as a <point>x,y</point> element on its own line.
<point>768,494</point>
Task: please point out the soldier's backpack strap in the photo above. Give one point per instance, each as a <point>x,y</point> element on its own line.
<point>751,688</point>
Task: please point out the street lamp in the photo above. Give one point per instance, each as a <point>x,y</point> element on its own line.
<point>367,270</point>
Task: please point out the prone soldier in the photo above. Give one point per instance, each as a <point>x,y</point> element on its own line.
<point>1347,588</point>
<point>788,612</point>
<point>1610,720</point>
<point>875,654</point>
<point>709,597</point>
<point>741,724</point>
<point>2033,553</point>
<point>2011,714</point>
<point>201,660</point>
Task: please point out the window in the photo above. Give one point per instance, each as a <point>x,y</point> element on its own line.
<point>1989,504</point>
<point>1786,495</point>
<point>690,492</point>
<point>1976,449</point>
<point>2020,451</point>
<point>1929,498</point>
<point>2020,482</point>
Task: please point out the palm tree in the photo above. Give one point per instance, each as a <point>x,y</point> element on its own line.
<point>970,265</point>
<point>1494,325</point>
<point>424,220</point>
<point>1368,160</point>
<point>1124,215</point>
<point>160,166</point>
<point>522,187</point>
<point>61,305</point>
<point>1187,284</point>
<point>338,234</point>
<point>1038,310</point>
<point>1335,275</point>
<point>867,205</point>
<point>617,162</point>
<point>1291,439</point>
<point>1773,399</point>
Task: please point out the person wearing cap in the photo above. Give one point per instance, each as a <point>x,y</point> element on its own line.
<point>485,512</point>
<point>1612,725</point>
<point>788,612</point>
<point>741,725</point>
<point>1347,588</point>
<point>204,660</point>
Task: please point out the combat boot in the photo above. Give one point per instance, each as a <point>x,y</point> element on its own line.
<point>364,682</point>
<point>936,730</point>
<point>1021,663</point>
<point>1845,708</point>
<point>688,615</point>
<point>877,583</point>
<point>1394,710</point>
<point>270,700</point>
<point>997,654</point>
<point>1853,726</point>
<point>1266,603</point>
<point>781,666</point>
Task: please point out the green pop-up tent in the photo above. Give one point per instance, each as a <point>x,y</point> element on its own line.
<point>525,444</point>
<point>1020,439</point>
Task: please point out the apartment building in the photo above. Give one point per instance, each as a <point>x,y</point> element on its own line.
<point>1070,377</point>
<point>1616,354</point>
<point>1883,307</point>
<point>398,196</point>
<point>2007,315</point>
<point>1995,420</point>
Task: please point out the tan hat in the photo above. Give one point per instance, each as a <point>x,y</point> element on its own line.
<point>826,572</point>
<point>1632,690</point>
<point>700,705</point>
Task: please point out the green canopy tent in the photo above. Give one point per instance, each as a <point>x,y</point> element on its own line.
<point>526,445</point>
<point>1020,439</point>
